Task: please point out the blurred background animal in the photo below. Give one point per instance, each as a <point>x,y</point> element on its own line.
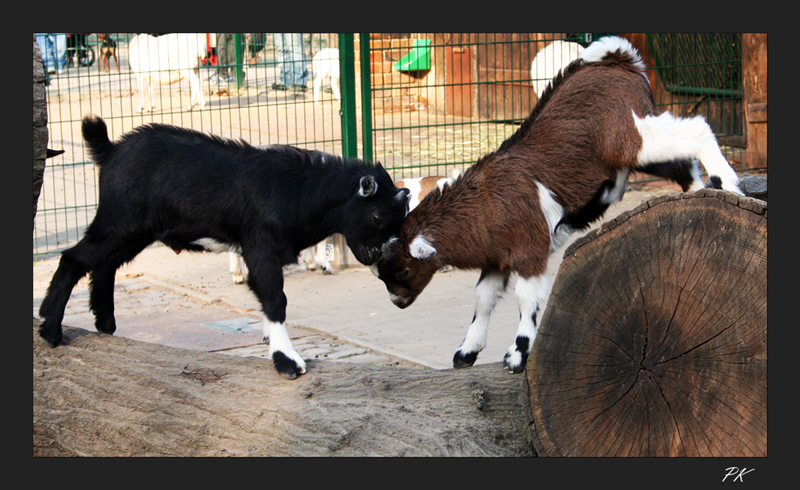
<point>108,49</point>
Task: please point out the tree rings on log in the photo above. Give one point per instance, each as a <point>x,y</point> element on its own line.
<point>654,340</point>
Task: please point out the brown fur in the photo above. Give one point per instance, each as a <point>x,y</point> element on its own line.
<point>576,138</point>
<point>426,184</point>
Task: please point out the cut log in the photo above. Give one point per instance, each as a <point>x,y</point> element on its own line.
<point>100,395</point>
<point>654,340</point>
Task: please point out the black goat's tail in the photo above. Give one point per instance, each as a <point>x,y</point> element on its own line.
<point>95,134</point>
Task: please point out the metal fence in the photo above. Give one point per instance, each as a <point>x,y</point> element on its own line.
<point>433,103</point>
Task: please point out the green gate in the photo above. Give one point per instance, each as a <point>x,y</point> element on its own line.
<point>420,103</point>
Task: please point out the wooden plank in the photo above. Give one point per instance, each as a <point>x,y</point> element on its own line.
<point>460,91</point>
<point>754,74</point>
<point>757,112</point>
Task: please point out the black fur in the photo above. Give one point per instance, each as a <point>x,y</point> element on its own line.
<point>461,360</point>
<point>679,170</point>
<point>589,212</point>
<point>176,185</point>
<point>523,344</point>
<point>714,182</point>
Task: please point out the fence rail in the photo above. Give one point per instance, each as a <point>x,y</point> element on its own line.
<point>420,103</point>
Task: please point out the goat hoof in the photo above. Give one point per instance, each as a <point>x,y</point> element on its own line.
<point>462,360</point>
<point>287,367</point>
<point>514,362</point>
<point>106,327</point>
<point>51,336</point>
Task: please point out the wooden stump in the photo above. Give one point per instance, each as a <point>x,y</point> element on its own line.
<point>654,340</point>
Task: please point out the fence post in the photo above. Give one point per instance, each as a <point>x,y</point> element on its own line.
<point>366,97</point>
<point>348,89</point>
<point>238,57</point>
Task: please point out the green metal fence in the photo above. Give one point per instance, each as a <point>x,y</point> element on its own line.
<point>420,103</point>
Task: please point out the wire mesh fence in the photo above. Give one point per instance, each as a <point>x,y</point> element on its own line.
<point>428,103</point>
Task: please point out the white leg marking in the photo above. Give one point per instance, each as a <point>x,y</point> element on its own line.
<point>236,267</point>
<point>487,293</point>
<point>666,138</point>
<point>322,257</point>
<point>279,342</point>
<point>553,212</point>
<point>530,294</point>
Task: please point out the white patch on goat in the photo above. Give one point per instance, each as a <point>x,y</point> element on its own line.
<point>530,292</point>
<point>421,249</point>
<point>279,342</point>
<point>415,186</point>
<point>666,138</point>
<point>444,181</point>
<point>211,245</point>
<point>374,269</point>
<point>487,293</point>
<point>599,49</point>
<point>553,212</point>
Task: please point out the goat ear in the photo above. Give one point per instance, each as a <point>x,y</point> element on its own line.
<point>421,249</point>
<point>367,186</point>
<point>403,194</point>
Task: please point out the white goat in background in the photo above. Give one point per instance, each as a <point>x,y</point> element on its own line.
<point>165,60</point>
<point>326,63</point>
<point>550,60</point>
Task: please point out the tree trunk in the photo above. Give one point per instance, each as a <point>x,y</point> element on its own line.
<point>654,341</point>
<point>100,395</point>
<point>39,124</point>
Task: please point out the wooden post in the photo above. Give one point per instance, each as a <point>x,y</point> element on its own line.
<point>754,67</point>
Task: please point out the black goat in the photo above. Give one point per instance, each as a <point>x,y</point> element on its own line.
<point>199,192</point>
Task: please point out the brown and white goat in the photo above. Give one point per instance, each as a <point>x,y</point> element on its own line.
<point>558,173</point>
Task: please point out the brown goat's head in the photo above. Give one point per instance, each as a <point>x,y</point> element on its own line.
<point>406,267</point>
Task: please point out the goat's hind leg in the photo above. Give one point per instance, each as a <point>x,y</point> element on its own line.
<point>67,275</point>
<point>672,145</point>
<point>530,292</point>
<point>488,291</point>
<point>114,253</point>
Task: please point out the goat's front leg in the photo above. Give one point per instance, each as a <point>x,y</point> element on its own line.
<point>265,278</point>
<point>489,290</point>
<point>531,292</point>
<point>101,299</point>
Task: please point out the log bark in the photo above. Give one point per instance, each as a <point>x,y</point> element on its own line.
<point>39,125</point>
<point>654,340</point>
<point>100,395</point>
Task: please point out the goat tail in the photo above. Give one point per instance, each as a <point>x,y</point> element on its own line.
<point>95,134</point>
